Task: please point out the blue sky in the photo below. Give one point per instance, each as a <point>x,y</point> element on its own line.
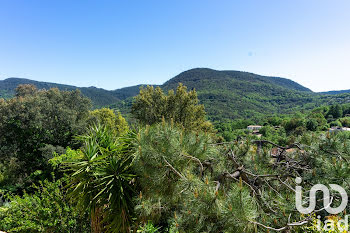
<point>113,44</point>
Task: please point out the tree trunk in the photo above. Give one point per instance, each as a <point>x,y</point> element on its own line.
<point>96,219</point>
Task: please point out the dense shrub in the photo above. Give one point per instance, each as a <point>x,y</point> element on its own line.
<point>100,178</point>
<point>182,107</point>
<point>46,210</point>
<point>33,125</point>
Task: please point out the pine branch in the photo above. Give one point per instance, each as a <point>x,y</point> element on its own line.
<point>174,170</point>
<point>197,160</point>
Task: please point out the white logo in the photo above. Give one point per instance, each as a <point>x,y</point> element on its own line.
<point>326,198</point>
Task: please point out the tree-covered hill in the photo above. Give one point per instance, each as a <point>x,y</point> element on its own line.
<point>225,94</point>
<point>127,92</point>
<point>99,96</point>
<point>91,172</point>
<point>336,92</point>
<point>244,80</point>
<point>235,94</point>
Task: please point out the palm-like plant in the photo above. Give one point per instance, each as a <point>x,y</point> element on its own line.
<point>101,179</point>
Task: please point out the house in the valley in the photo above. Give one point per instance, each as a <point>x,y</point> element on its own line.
<point>336,129</point>
<point>254,128</point>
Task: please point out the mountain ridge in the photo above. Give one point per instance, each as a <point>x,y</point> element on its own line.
<point>225,94</point>
<point>73,87</point>
<point>335,92</point>
<point>243,75</point>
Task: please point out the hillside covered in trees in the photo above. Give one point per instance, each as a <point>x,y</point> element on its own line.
<point>65,167</point>
<point>226,95</point>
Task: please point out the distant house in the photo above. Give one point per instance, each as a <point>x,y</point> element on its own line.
<point>338,129</point>
<point>275,151</point>
<point>254,128</point>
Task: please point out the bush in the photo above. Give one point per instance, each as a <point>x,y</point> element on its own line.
<point>336,123</point>
<point>100,178</point>
<point>181,107</point>
<point>46,210</point>
<point>148,228</point>
<point>109,118</point>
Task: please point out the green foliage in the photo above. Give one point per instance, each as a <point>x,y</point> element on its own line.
<point>171,176</point>
<point>234,129</point>
<point>112,120</point>
<point>33,125</point>
<point>226,95</point>
<point>69,155</point>
<point>98,96</point>
<point>336,111</point>
<point>100,179</point>
<point>336,123</point>
<point>345,121</point>
<point>148,228</point>
<point>275,120</point>
<point>294,123</point>
<point>182,107</point>
<point>178,193</point>
<point>312,124</point>
<point>46,210</point>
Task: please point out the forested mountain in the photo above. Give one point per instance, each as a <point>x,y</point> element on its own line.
<point>99,96</point>
<point>127,92</point>
<point>336,92</point>
<point>242,80</point>
<point>225,94</point>
<point>61,161</point>
<point>235,94</point>
<point>95,173</point>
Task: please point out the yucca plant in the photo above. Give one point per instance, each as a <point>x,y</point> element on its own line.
<point>101,179</point>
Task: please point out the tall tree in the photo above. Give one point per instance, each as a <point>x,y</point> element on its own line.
<point>182,107</point>
<point>36,123</point>
<point>336,111</point>
<point>111,119</point>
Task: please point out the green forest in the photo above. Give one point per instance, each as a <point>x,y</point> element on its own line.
<point>166,166</point>
<point>226,95</point>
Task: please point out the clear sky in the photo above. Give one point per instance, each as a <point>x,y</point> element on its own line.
<point>113,44</point>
